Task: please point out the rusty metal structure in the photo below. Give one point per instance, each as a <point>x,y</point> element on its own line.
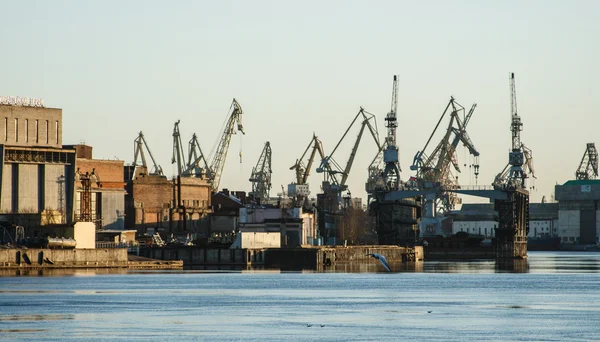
<point>588,168</point>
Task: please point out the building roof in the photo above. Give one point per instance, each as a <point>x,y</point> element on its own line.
<point>583,182</point>
<point>486,212</point>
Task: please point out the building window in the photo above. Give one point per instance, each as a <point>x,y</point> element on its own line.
<point>37,133</point>
<point>26,130</point>
<point>5,129</point>
<point>47,131</point>
<point>56,130</point>
<point>16,129</point>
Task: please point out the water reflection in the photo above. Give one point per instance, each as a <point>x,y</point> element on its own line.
<point>537,262</point>
<point>60,272</point>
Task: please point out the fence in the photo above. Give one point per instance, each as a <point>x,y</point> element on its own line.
<point>132,247</point>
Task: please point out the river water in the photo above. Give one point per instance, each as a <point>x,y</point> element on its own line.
<point>555,296</point>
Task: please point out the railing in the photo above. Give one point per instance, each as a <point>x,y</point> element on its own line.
<point>474,187</point>
<point>131,246</point>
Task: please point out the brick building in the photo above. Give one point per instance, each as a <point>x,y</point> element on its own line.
<point>107,189</point>
<point>154,203</point>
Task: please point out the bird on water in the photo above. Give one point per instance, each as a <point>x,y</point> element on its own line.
<point>381,259</point>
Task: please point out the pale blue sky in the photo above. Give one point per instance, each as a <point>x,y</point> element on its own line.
<point>118,67</point>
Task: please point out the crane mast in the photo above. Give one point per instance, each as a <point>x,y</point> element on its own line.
<point>391,172</point>
<point>261,175</point>
<point>177,149</point>
<point>220,156</point>
<point>139,144</point>
<point>391,120</point>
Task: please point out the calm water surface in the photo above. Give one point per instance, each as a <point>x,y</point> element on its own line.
<point>555,296</point>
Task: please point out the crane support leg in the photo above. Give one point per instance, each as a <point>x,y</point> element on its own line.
<point>513,220</point>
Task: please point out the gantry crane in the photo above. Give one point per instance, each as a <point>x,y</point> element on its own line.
<point>139,144</point>
<point>520,159</point>
<point>214,171</point>
<point>588,168</point>
<point>261,176</point>
<point>178,154</point>
<point>433,171</point>
<point>299,188</point>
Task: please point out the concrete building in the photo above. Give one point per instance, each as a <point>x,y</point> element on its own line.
<point>475,219</point>
<point>579,211</point>
<point>482,219</point>
<point>543,220</point>
<point>296,227</point>
<point>36,172</point>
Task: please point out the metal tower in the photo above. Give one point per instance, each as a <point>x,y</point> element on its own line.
<point>391,172</point>
<point>261,175</point>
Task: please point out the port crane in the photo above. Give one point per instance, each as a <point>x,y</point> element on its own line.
<point>520,158</point>
<point>214,171</point>
<point>139,144</point>
<point>332,169</point>
<point>513,210</point>
<point>261,176</point>
<point>434,171</point>
<point>588,168</point>
<point>299,188</point>
<point>329,202</point>
<point>389,177</point>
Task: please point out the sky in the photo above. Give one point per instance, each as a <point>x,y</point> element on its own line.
<point>301,67</point>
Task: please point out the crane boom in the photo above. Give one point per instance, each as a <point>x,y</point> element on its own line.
<point>220,156</point>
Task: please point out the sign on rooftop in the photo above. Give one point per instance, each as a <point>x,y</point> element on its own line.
<point>21,101</point>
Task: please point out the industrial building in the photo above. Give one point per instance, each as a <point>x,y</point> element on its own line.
<point>37,172</point>
<point>481,219</point>
<point>296,227</point>
<point>579,211</point>
<point>154,203</point>
<point>103,179</point>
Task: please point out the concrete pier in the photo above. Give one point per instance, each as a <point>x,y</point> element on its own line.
<point>311,258</point>
<point>35,258</point>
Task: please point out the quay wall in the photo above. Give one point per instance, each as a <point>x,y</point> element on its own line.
<point>63,258</point>
<point>309,258</point>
